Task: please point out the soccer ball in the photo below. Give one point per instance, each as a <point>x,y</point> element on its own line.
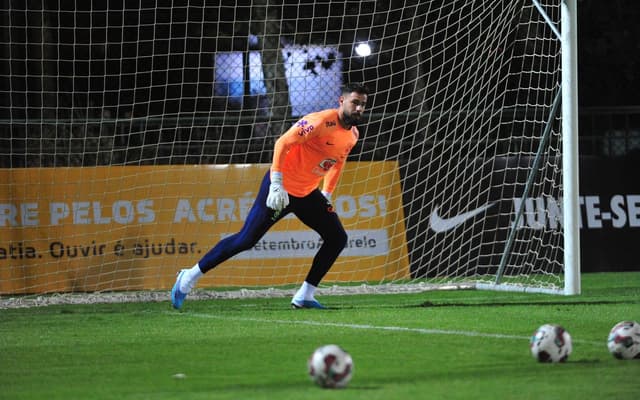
<point>330,366</point>
<point>550,343</point>
<point>624,340</point>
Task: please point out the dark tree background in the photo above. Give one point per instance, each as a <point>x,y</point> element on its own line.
<point>69,69</point>
<point>609,52</point>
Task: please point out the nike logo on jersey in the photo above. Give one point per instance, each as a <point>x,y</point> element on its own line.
<point>439,224</point>
<point>329,143</point>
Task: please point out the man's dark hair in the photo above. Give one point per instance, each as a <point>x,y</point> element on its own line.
<point>355,87</point>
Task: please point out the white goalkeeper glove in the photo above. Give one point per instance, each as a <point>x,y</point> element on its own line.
<point>278,197</point>
<point>326,195</point>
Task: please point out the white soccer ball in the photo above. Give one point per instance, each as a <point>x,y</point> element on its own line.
<point>330,366</point>
<point>624,340</point>
<point>551,343</point>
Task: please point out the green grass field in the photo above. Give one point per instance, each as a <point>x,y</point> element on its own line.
<point>432,345</point>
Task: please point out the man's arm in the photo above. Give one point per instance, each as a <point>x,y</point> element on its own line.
<point>278,197</point>
<point>282,146</point>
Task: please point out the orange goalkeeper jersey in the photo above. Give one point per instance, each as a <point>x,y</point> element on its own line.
<point>316,147</point>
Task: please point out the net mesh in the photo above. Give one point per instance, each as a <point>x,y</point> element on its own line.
<point>135,135</point>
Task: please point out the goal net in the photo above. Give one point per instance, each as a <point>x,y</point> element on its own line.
<point>135,136</point>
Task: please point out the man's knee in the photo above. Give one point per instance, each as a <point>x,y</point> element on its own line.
<point>340,239</point>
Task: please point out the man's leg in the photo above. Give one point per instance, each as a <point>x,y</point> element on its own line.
<point>318,214</point>
<point>258,222</point>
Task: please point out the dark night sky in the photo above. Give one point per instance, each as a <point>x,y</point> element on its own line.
<point>608,52</point>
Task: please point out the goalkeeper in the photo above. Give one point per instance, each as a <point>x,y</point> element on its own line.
<point>314,149</point>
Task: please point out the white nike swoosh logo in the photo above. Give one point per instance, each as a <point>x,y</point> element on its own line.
<point>439,224</point>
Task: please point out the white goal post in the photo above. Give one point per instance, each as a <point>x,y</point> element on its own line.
<point>135,135</point>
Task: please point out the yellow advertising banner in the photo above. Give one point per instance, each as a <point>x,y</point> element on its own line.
<point>133,227</point>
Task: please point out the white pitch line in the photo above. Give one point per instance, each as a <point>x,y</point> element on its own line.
<point>424,331</point>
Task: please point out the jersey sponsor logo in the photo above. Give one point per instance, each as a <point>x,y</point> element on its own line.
<point>304,127</point>
<point>439,224</point>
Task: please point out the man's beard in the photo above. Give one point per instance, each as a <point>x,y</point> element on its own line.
<point>351,120</point>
